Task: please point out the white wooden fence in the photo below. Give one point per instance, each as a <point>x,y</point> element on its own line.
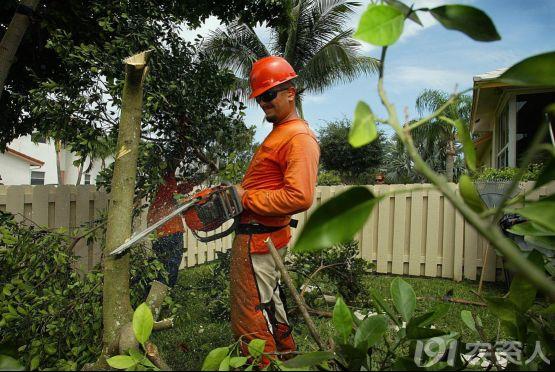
<point>414,232</point>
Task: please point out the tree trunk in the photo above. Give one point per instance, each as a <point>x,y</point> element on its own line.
<point>450,161</point>
<point>80,173</point>
<point>299,104</point>
<point>11,40</point>
<point>58,147</point>
<point>116,307</point>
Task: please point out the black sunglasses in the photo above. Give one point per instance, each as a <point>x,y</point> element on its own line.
<point>269,95</point>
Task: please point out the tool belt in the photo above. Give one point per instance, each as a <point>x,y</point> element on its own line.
<point>250,229</point>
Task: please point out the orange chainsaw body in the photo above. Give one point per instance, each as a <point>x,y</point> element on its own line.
<point>214,207</point>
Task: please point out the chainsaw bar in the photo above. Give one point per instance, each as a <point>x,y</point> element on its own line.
<point>140,235</point>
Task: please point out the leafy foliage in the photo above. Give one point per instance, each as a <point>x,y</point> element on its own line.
<point>218,291</point>
<point>354,165</point>
<point>343,268</point>
<point>74,50</point>
<point>186,120</point>
<point>328,178</point>
<point>51,314</point>
<point>506,174</point>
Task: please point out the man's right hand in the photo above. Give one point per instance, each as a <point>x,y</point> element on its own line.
<point>240,191</point>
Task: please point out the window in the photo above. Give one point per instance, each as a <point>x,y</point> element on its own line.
<point>503,139</point>
<point>37,178</point>
<point>87,179</point>
<point>530,115</point>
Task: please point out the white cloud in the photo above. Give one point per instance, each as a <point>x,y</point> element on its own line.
<point>310,98</point>
<point>425,77</point>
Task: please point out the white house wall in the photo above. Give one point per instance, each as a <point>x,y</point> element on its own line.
<point>42,151</point>
<point>14,171</point>
<point>46,152</point>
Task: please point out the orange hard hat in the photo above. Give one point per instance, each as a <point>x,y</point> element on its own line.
<point>268,72</point>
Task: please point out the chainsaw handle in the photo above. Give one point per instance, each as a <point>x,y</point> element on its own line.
<point>207,239</point>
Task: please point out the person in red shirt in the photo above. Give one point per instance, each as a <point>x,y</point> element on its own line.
<point>279,182</point>
<point>169,243</point>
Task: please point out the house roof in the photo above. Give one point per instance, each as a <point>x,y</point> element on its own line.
<point>27,158</point>
<point>488,76</point>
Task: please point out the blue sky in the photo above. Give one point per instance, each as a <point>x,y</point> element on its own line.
<point>429,57</point>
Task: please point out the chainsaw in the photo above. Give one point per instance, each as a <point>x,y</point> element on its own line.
<point>205,211</point>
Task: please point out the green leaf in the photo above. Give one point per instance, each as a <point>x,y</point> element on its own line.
<point>419,333</point>
<point>541,213</point>
<point>522,293</point>
<point>467,19</point>
<point>468,146</point>
<point>530,229</point>
<point>468,320</point>
<point>256,347</point>
<point>404,298</point>
<point>136,355</point>
<point>380,25</point>
<point>547,242</point>
<point>309,359</point>
<point>381,304</point>
<point>142,323</point>
<point>427,319</point>
<point>370,331</point>
<point>405,10</point>
<point>337,220</point>
<point>35,363</point>
<point>470,195</point>
<point>121,362</point>
<point>538,70</point>
<point>237,362</point>
<point>214,359</point>
<point>363,130</point>
<point>342,319</point>
<point>224,365</point>
<point>502,308</point>
<point>7,363</point>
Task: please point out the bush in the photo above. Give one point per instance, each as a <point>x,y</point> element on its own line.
<point>329,178</point>
<point>344,269</point>
<point>50,314</point>
<point>507,174</point>
<point>218,292</point>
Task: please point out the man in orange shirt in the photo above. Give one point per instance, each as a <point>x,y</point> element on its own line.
<point>169,243</point>
<point>279,182</point>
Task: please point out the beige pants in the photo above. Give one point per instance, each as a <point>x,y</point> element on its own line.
<point>267,278</point>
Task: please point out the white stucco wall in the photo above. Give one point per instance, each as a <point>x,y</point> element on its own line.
<point>42,151</point>
<point>14,171</point>
<point>46,152</point>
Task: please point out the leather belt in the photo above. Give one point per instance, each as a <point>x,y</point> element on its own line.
<point>250,229</point>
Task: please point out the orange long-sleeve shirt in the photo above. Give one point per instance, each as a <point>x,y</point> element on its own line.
<point>280,181</point>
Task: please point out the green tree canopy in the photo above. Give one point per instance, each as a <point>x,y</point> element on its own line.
<point>99,29</point>
<point>67,83</point>
<point>354,165</point>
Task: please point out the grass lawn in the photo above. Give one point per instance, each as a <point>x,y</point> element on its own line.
<point>196,332</point>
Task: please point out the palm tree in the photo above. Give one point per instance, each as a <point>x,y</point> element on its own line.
<point>437,140</point>
<point>314,41</point>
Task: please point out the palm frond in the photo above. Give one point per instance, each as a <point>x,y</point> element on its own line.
<point>235,47</point>
<point>337,61</point>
